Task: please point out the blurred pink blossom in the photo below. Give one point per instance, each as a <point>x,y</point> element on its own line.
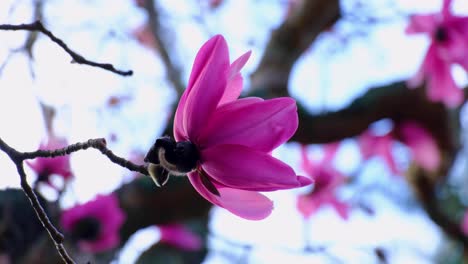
<point>373,145</point>
<point>45,167</point>
<point>422,145</point>
<point>145,37</point>
<point>327,181</point>
<point>95,224</point>
<point>179,236</point>
<point>449,38</point>
<point>234,137</point>
<point>214,3</point>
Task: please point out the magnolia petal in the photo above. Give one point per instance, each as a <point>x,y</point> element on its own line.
<point>203,58</point>
<point>246,204</point>
<point>366,143</point>
<point>328,179</point>
<point>235,81</point>
<point>233,106</point>
<point>460,24</point>
<point>263,125</point>
<point>200,62</point>
<point>420,75</point>
<point>422,144</point>
<point>241,167</point>
<point>304,181</point>
<point>206,87</point>
<point>454,49</point>
<point>238,64</point>
<point>60,165</point>
<point>441,85</point>
<point>329,152</point>
<point>307,205</point>
<point>421,24</point>
<point>446,7</point>
<point>179,130</point>
<point>233,90</point>
<point>179,236</point>
<point>378,145</point>
<point>341,208</point>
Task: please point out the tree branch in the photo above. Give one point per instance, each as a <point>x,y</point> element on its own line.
<point>99,144</point>
<point>394,101</point>
<point>77,58</point>
<point>289,41</point>
<point>172,70</point>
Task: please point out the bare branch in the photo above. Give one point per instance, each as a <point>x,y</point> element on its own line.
<point>77,58</point>
<point>99,144</point>
<point>173,71</point>
<point>394,101</point>
<point>289,41</point>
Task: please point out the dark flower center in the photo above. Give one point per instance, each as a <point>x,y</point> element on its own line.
<point>176,157</point>
<point>440,34</point>
<point>43,176</point>
<point>87,228</point>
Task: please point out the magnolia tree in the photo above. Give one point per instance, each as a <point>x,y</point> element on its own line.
<point>185,90</point>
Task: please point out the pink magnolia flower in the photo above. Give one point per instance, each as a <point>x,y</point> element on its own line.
<point>422,145</point>
<point>327,181</point>
<point>373,145</point>
<point>179,236</point>
<point>224,144</point>
<point>45,167</point>
<point>449,38</point>
<point>95,224</point>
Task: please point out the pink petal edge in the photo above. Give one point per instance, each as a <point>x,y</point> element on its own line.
<point>245,204</point>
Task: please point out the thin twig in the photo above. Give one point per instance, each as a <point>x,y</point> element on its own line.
<point>77,58</point>
<point>56,236</point>
<point>98,143</point>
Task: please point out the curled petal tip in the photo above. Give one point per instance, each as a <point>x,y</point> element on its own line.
<point>304,181</point>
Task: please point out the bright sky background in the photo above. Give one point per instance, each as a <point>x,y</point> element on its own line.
<point>100,30</point>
